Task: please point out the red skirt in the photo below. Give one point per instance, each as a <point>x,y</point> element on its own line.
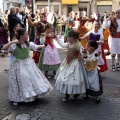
<point>36,56</point>
<point>104,67</point>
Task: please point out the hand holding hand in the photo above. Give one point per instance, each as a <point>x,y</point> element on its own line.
<point>16,41</point>
<point>84,51</point>
<point>43,34</point>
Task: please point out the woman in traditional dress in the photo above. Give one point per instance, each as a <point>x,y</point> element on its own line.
<point>82,29</point>
<point>70,23</point>
<point>114,39</point>
<point>106,35</point>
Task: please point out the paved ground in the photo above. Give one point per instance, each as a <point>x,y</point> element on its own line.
<point>52,107</point>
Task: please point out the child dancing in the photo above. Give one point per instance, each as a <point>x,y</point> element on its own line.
<point>39,28</point>
<point>26,81</point>
<point>71,77</point>
<point>94,79</point>
<point>49,58</point>
<point>96,35</point>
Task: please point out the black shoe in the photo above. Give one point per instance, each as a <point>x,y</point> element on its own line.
<point>65,99</point>
<point>108,53</point>
<point>67,96</point>
<point>75,96</point>
<point>118,66</point>
<point>97,100</point>
<point>3,55</point>
<point>54,72</point>
<point>113,68</point>
<point>86,97</point>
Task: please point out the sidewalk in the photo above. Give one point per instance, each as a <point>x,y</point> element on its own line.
<point>53,108</point>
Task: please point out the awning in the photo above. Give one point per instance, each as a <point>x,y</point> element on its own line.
<point>69,1</point>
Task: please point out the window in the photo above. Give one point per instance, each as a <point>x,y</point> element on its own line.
<point>69,9</point>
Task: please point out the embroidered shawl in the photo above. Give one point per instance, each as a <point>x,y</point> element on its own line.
<point>113,27</point>
<point>73,52</point>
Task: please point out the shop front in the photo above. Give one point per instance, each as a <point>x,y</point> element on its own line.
<point>103,6</point>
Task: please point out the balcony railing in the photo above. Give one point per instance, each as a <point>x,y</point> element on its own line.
<point>19,1</point>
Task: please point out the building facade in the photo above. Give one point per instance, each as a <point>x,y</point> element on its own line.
<point>6,4</point>
<point>65,5</point>
<point>87,5</point>
<point>106,5</point>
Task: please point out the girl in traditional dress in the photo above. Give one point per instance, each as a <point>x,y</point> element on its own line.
<point>94,79</point>
<point>114,39</point>
<point>39,28</point>
<point>71,78</point>
<point>96,35</point>
<point>12,57</point>
<point>26,81</point>
<point>49,58</point>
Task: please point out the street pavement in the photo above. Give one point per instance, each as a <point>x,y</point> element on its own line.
<point>53,108</point>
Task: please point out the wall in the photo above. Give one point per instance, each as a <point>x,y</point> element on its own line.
<point>115,5</point>
<point>75,8</point>
<point>51,5</point>
<point>1,5</point>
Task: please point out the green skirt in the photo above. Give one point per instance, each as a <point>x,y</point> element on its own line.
<point>67,30</point>
<point>44,67</point>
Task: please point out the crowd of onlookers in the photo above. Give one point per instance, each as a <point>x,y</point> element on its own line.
<point>15,16</point>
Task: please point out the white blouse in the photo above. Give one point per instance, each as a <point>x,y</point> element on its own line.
<point>106,24</point>
<point>95,33</point>
<point>32,46</point>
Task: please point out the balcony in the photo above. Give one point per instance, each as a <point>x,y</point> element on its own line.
<point>18,1</point>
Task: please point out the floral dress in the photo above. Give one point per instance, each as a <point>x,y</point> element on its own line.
<point>26,81</point>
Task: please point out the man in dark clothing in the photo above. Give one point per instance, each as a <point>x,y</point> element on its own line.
<point>24,15</point>
<point>13,20</point>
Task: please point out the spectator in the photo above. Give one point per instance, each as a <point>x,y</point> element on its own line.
<point>49,16</point>
<point>63,18</point>
<point>17,13</point>
<point>6,19</point>
<point>104,17</point>
<point>98,15</point>
<point>13,20</point>
<point>23,13</point>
